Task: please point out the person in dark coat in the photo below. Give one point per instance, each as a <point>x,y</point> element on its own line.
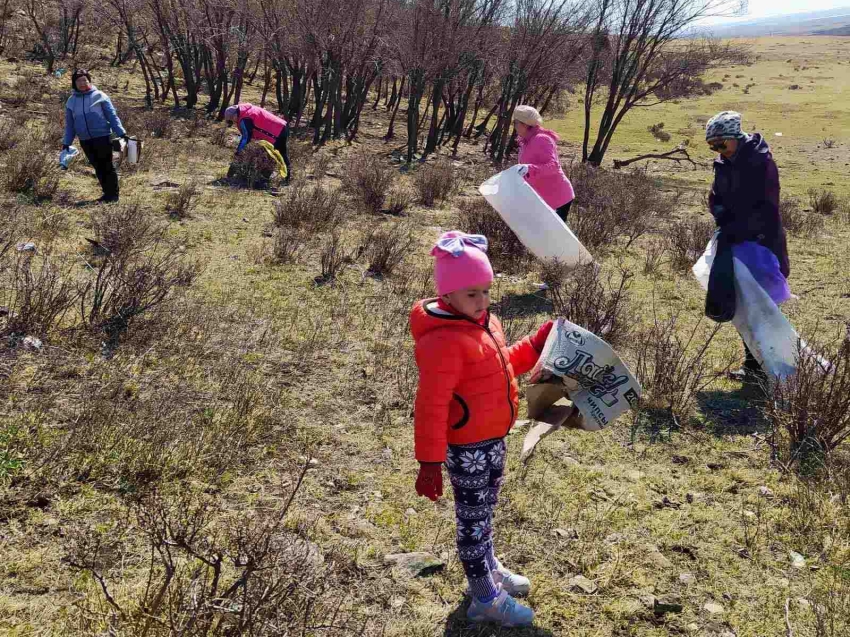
<point>744,198</point>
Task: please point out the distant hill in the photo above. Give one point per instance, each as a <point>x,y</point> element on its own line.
<point>829,22</point>
<point>845,30</point>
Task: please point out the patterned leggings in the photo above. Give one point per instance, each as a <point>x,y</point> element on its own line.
<point>476,472</point>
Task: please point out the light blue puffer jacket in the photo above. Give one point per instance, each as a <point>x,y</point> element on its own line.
<point>89,115</point>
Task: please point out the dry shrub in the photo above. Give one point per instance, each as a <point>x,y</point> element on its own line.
<point>312,208</point>
<point>137,270</point>
<point>822,201</point>
<point>506,251</point>
<point>214,570</point>
<point>41,292</point>
<point>11,135</point>
<point>196,124</point>
<point>830,603</point>
<point>658,132</point>
<point>27,89</point>
<point>399,201</point>
<point>587,297</point>
<point>138,429</point>
<point>386,248</point>
<point>184,200</point>
<point>288,243</point>
<point>672,369</point>
<point>436,182</point>
<point>369,179</point>
<point>797,221</point>
<point>687,240</point>
<point>11,226</point>
<point>335,255</point>
<point>220,136</point>
<point>32,169</point>
<point>612,205</point>
<point>321,164</point>
<point>810,411</point>
<point>252,168</point>
<point>653,256</point>
<point>156,123</point>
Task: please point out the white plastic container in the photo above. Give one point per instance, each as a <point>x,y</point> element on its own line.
<point>539,228</point>
<point>134,150</point>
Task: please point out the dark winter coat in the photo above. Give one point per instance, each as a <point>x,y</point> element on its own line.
<point>745,199</point>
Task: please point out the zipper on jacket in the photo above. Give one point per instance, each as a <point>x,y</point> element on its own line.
<point>504,368</point>
<point>86,119</point>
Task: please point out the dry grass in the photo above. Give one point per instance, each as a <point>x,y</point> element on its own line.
<point>687,240</point>
<point>184,449</point>
<point>368,179</point>
<point>31,169</point>
<point>436,182</point>
<point>184,201</point>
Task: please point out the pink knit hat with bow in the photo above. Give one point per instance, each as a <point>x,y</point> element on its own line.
<point>460,262</point>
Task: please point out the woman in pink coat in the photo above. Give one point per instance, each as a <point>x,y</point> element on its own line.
<point>258,123</point>
<point>539,163</point>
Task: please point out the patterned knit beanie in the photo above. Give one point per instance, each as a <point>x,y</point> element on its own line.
<point>725,125</point>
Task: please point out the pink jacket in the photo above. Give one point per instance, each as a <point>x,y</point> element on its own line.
<point>267,126</point>
<point>540,151</point>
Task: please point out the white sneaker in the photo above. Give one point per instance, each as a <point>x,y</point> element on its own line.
<point>511,582</point>
<point>503,610</point>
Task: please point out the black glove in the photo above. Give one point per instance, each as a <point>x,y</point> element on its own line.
<point>66,147</point>
<point>126,138</point>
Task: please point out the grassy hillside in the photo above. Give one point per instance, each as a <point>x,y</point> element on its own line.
<point>260,421</point>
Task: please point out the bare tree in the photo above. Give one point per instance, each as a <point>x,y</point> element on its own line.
<point>639,57</point>
<point>546,40</point>
<point>57,24</point>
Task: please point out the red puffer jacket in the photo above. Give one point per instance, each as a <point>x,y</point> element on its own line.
<point>467,379</point>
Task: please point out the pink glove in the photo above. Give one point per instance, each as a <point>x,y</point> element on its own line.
<point>429,483</point>
<point>538,341</point>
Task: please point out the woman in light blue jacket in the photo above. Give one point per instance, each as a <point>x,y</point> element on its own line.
<point>90,115</point>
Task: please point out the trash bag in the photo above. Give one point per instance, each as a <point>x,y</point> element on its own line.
<point>535,224</point>
<point>67,156</point>
<point>764,266</point>
<point>720,296</point>
<point>772,340</point>
<point>275,155</point>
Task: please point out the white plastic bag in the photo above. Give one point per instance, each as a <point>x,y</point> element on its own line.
<point>539,228</point>
<point>772,340</point>
<point>67,156</point>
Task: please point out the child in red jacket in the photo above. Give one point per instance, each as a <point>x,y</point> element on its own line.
<point>466,403</point>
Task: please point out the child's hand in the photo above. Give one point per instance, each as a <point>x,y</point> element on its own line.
<point>429,483</point>
<point>538,341</point>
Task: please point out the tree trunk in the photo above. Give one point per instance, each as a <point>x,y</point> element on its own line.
<point>389,102</point>
<point>397,103</point>
<point>417,87</point>
<point>378,96</point>
<point>436,97</point>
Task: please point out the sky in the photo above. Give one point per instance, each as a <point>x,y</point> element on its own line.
<point>766,8</point>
